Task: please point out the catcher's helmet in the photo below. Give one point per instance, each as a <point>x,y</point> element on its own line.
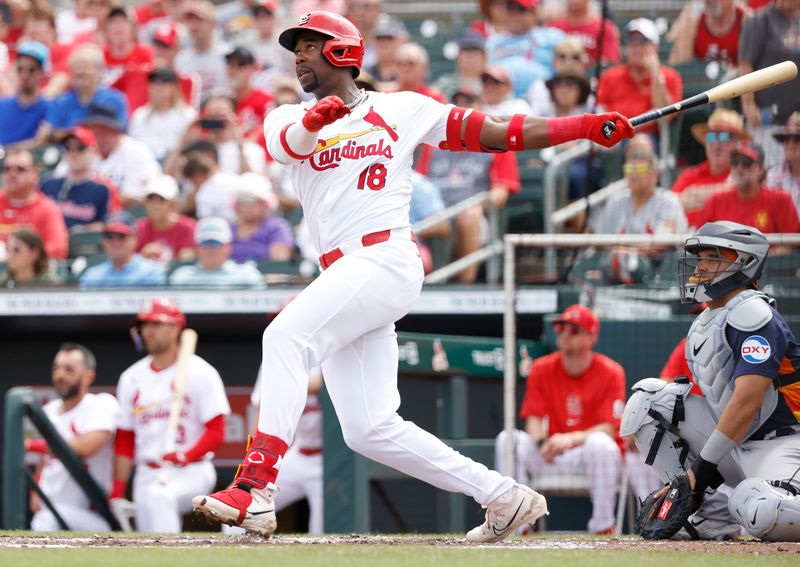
<point>742,252</point>
<point>161,311</point>
<point>345,48</point>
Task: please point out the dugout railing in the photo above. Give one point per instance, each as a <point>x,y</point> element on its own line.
<point>20,403</point>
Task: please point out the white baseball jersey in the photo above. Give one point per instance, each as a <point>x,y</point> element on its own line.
<point>95,412</point>
<point>145,398</point>
<point>308,435</point>
<point>358,180</point>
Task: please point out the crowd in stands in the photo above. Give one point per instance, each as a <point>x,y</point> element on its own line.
<point>156,110</point>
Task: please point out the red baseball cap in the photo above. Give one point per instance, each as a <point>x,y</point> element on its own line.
<point>527,4</point>
<point>166,34</point>
<point>581,316</point>
<point>749,149</point>
<point>82,134</point>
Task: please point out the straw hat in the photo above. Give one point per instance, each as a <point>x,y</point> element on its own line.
<point>721,120</point>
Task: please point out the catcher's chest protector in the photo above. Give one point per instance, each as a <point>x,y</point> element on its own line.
<point>711,359</point>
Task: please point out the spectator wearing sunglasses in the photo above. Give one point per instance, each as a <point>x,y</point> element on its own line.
<point>786,175</point>
<point>27,263</point>
<point>696,184</point>
<point>123,268</point>
<point>572,408</point>
<point>583,22</point>
<point>22,205</point>
<point>21,114</point>
<point>750,201</point>
<point>214,267</point>
<point>567,54</point>
<point>84,198</point>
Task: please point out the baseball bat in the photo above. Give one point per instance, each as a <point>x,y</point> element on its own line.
<point>751,82</point>
<point>186,348</point>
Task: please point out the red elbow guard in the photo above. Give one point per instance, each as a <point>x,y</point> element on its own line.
<point>124,443</point>
<point>471,140</point>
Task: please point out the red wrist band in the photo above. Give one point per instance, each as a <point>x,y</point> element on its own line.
<point>566,129</point>
<point>514,138</point>
<point>118,488</point>
<point>36,446</point>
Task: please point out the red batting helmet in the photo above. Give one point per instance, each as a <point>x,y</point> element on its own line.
<point>345,48</point>
<point>161,311</point>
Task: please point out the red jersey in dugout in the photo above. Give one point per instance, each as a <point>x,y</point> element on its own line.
<point>573,403</point>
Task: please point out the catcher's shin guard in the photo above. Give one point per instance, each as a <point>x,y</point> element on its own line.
<point>767,510</point>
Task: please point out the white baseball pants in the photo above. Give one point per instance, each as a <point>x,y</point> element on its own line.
<point>160,507</point>
<point>598,459</point>
<point>344,320</point>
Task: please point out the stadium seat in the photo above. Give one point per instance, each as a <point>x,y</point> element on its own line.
<point>85,244</point>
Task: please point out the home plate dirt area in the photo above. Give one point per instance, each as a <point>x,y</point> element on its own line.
<point>10,540</point>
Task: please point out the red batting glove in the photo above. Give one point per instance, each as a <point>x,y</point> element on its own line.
<point>36,446</point>
<point>178,459</point>
<point>326,111</point>
<point>592,128</point>
<point>118,488</point>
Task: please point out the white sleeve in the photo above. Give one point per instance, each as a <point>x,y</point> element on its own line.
<point>209,392</point>
<point>255,397</point>
<point>274,124</point>
<point>125,419</point>
<point>104,415</point>
<point>430,117</point>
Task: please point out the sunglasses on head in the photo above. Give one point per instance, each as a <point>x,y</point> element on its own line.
<point>568,328</point>
<point>714,137</point>
<point>740,160</point>
<point>637,168</point>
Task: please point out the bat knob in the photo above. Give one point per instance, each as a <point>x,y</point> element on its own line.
<point>609,128</point>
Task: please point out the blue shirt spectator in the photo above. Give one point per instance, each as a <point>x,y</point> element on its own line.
<point>21,115</point>
<point>123,268</point>
<point>67,110</point>
<point>426,199</point>
<point>525,50</point>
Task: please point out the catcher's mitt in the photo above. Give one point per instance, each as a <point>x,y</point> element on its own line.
<point>667,510</point>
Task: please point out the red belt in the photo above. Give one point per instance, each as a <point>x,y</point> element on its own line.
<point>327,259</point>
<point>310,452</point>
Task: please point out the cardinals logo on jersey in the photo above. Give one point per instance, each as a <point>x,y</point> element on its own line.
<point>330,152</point>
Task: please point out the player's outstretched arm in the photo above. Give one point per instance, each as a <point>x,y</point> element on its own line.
<point>521,132</point>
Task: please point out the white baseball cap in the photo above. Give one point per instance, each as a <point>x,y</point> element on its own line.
<point>164,186</point>
<point>256,186</point>
<point>215,229</point>
<point>645,27</point>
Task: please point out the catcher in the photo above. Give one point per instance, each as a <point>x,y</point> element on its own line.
<point>743,432</point>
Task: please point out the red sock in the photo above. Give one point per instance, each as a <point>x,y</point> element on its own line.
<point>263,453</point>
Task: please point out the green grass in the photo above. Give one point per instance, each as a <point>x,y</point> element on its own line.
<point>383,556</point>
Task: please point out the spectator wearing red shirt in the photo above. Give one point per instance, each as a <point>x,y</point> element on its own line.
<point>164,235</point>
<point>642,82</point>
<point>708,33</point>
<point>750,201</point>
<point>696,184</point>
<point>252,104</point>
<point>121,49</point>
<point>572,409</point>
<point>585,24</point>
<point>22,205</point>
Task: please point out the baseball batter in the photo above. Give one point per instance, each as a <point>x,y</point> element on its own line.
<point>87,423</point>
<point>744,431</point>
<point>349,154</point>
<point>166,481</point>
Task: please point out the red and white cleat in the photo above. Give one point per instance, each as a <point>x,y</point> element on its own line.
<point>250,508</point>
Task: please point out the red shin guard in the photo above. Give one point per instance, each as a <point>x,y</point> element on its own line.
<point>259,468</point>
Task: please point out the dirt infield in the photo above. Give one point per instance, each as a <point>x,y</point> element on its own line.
<point>546,542</point>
